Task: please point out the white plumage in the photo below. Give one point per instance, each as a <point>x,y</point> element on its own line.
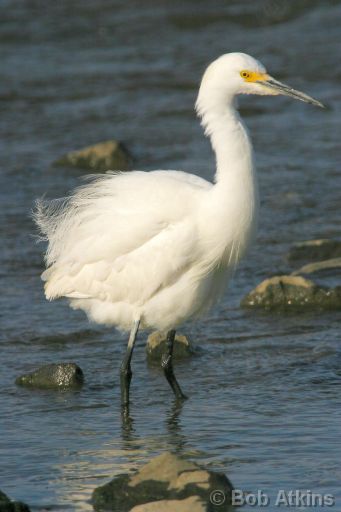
<point>158,247</point>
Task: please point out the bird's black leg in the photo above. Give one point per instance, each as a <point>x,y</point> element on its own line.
<point>167,365</point>
<point>126,372</point>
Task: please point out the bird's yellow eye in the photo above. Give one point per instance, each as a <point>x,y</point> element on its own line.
<point>245,74</point>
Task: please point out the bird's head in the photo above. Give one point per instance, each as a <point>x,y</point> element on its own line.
<point>238,73</point>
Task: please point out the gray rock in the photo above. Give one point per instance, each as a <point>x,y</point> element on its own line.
<point>315,250</point>
<point>291,292</point>
<point>156,346</point>
<point>310,268</point>
<point>53,376</point>
<point>164,479</point>
<point>101,157</point>
<point>6,505</point>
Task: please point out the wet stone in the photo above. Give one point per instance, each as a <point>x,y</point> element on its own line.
<point>6,505</point>
<point>166,481</point>
<point>53,376</point>
<point>104,156</point>
<point>156,346</point>
<point>331,265</point>
<point>315,250</point>
<point>290,292</point>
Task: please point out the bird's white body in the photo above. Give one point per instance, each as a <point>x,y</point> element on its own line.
<point>154,249</point>
<point>154,246</point>
<point>158,247</point>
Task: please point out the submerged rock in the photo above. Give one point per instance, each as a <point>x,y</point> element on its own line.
<point>318,266</point>
<point>53,376</point>
<point>156,346</point>
<point>6,505</point>
<point>166,481</point>
<point>101,157</point>
<point>292,292</point>
<point>315,250</point>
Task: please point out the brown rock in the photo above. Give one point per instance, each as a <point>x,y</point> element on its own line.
<point>104,156</point>
<point>292,292</point>
<point>156,346</point>
<point>166,481</point>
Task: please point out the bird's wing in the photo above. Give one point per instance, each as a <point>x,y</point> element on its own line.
<point>121,237</point>
<point>133,277</point>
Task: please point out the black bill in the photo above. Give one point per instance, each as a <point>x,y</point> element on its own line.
<point>280,88</point>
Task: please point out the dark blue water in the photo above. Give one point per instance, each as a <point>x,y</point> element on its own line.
<point>264,388</point>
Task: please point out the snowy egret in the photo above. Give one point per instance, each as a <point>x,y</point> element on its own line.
<point>153,249</point>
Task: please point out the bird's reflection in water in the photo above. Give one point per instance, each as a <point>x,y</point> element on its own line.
<point>173,423</point>
<point>176,439</point>
<point>127,425</point>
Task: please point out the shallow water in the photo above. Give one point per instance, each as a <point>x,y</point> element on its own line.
<point>264,388</point>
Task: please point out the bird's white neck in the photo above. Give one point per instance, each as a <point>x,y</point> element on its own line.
<point>229,138</point>
<point>233,207</point>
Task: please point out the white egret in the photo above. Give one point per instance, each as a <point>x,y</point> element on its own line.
<point>153,249</point>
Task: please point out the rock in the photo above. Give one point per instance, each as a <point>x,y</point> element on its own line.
<point>164,479</point>
<point>292,292</point>
<point>191,504</point>
<point>104,156</point>
<point>156,346</point>
<point>6,505</point>
<point>53,376</point>
<point>310,268</point>
<point>315,250</point>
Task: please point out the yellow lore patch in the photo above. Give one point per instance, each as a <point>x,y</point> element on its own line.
<point>253,76</point>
